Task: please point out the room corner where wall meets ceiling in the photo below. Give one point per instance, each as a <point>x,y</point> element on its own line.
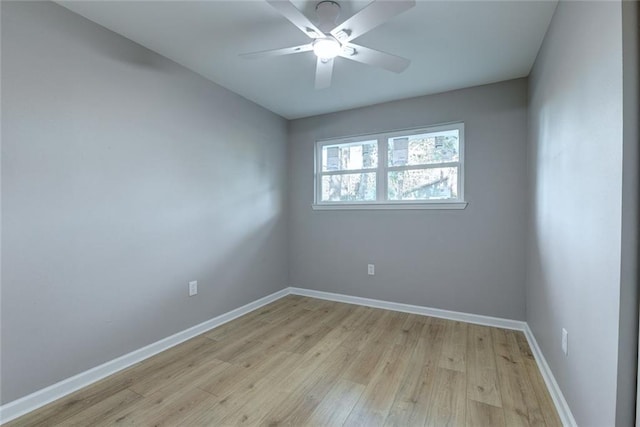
<point>124,177</point>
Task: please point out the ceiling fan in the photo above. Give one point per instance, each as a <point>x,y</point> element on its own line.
<point>330,41</point>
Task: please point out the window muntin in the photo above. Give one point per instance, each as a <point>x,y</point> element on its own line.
<point>423,166</point>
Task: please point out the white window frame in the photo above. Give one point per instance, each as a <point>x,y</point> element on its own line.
<point>383,168</point>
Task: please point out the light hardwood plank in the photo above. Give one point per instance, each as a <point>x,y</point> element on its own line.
<point>483,415</point>
<point>104,410</point>
<point>336,406</point>
<point>531,401</point>
<point>286,338</point>
<point>240,380</point>
<point>253,396</point>
<point>380,394</point>
<point>448,404</point>
<point>161,409</point>
<point>372,349</point>
<point>374,405</point>
<point>170,372</point>
<point>547,407</point>
<point>454,350</point>
<point>551,417</point>
<point>482,374</point>
<point>366,328</point>
<point>57,412</point>
<point>218,382</point>
<point>308,393</point>
<point>412,399</point>
<point>520,404</point>
<point>535,383</point>
<point>248,322</point>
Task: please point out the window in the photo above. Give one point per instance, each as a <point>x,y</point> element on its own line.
<point>420,168</point>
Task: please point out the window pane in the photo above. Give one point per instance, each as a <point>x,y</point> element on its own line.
<point>353,187</point>
<point>351,156</point>
<point>423,184</point>
<point>427,148</point>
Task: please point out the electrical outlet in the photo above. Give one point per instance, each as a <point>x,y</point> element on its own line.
<point>371,269</point>
<point>565,342</point>
<point>193,288</point>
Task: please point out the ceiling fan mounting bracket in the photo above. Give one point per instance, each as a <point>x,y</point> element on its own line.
<point>328,6</point>
<point>328,12</point>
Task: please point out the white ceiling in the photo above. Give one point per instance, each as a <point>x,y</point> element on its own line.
<point>452,45</point>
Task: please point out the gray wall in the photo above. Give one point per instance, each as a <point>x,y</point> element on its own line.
<point>576,173</point>
<point>470,260</point>
<point>124,176</point>
<point>628,331</point>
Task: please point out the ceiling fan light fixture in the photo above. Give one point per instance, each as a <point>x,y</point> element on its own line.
<point>327,48</point>
<point>329,41</point>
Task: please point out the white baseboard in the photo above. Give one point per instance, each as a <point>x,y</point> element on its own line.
<point>414,309</point>
<point>556,394</point>
<point>55,391</point>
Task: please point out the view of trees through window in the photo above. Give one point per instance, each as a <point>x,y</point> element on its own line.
<point>361,156</point>
<point>349,187</point>
<point>414,167</point>
<point>424,183</point>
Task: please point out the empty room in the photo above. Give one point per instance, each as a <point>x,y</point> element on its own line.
<point>319,213</point>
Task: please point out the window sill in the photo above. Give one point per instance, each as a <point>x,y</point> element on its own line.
<point>388,206</point>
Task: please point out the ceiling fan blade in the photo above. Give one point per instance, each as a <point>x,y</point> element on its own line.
<point>324,70</point>
<point>374,14</point>
<point>293,14</point>
<point>374,57</point>
<point>278,52</point>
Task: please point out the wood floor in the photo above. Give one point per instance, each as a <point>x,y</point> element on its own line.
<point>302,361</point>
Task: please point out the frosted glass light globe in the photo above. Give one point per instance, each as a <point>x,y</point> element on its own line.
<point>327,48</point>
